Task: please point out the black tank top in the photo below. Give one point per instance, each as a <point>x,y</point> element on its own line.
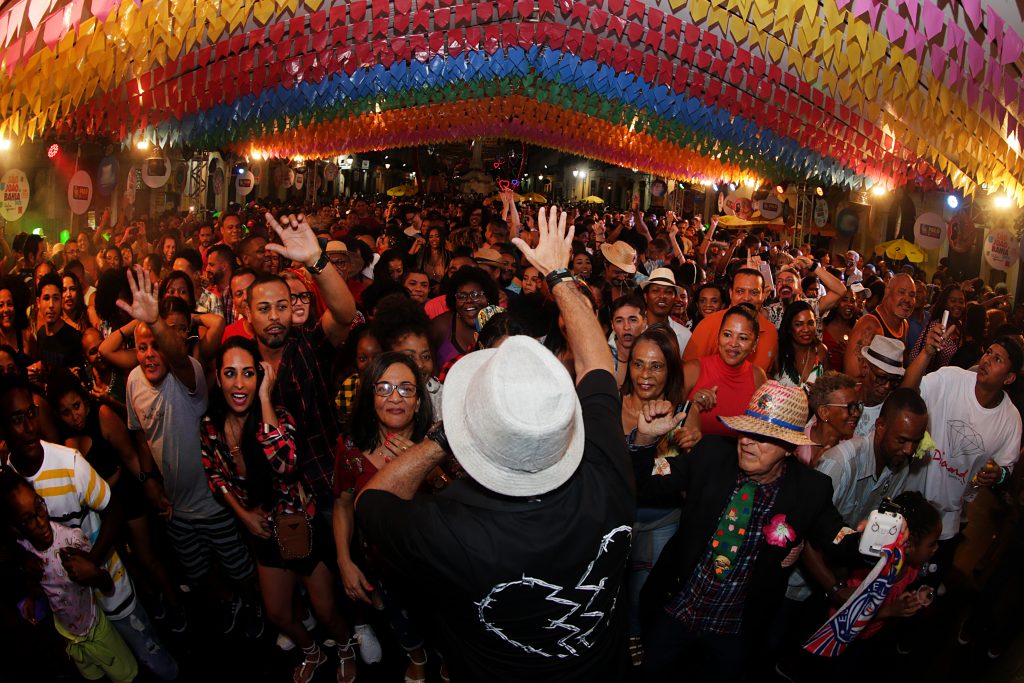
<point>102,455</point>
<point>887,331</point>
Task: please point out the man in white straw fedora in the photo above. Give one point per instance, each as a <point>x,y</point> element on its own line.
<point>881,371</point>
<point>719,582</point>
<point>660,291</point>
<point>524,561</point>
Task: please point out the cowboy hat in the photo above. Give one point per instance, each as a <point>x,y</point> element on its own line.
<point>776,411</point>
<point>620,254</point>
<point>661,276</point>
<point>513,419</point>
<point>886,354</point>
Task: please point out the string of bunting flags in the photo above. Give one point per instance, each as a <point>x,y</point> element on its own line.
<point>846,91</point>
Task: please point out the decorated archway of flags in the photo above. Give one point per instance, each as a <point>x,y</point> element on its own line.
<point>847,92</point>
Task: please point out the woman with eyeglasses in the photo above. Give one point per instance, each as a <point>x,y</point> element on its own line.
<point>469,290</point>
<point>306,304</point>
<point>835,408</point>
<point>802,357</point>
<point>391,415</point>
<point>249,454</point>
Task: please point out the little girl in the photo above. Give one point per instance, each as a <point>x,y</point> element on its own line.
<point>68,579</point>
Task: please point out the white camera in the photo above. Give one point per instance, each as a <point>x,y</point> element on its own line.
<point>883,528</point>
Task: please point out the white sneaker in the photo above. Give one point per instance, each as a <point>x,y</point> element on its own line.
<point>369,646</point>
<point>309,622</point>
<point>284,642</point>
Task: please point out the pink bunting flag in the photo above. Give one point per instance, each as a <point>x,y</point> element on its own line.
<point>894,25</point>
<point>841,4</point>
<point>972,8</point>
<point>915,42</point>
<point>54,30</point>
<point>933,19</point>
<point>101,9</point>
<point>870,7</point>
<point>911,6</point>
<point>17,14</point>
<point>994,24</point>
<point>975,57</point>
<point>37,9</point>
<point>1011,47</point>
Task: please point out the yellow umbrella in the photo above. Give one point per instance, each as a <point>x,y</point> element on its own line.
<point>403,191</point>
<point>728,221</point>
<point>901,249</point>
<point>515,197</point>
<point>593,199</point>
<point>536,198</point>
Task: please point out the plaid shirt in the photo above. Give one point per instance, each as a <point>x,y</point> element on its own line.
<point>346,398</point>
<point>707,605</point>
<point>278,445</point>
<point>301,388</point>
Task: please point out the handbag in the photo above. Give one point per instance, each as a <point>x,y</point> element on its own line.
<point>294,532</point>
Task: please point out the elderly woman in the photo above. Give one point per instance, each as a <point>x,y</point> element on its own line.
<point>721,384</point>
<point>835,410</point>
<point>802,357</point>
<point>391,415</point>
<point>719,582</point>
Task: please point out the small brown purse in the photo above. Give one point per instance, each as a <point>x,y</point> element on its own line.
<point>293,532</point>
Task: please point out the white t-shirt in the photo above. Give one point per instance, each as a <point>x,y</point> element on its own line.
<point>682,335</point>
<point>169,415</point>
<point>866,423</point>
<point>967,436</point>
<point>75,495</point>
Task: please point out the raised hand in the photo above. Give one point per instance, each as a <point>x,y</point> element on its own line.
<point>658,418</point>
<point>144,306</point>
<point>267,385</point>
<point>298,243</point>
<point>554,244</point>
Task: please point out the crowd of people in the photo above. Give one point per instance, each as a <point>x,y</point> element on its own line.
<point>660,442</point>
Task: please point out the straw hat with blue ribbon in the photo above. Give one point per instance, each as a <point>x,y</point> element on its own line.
<point>776,411</point>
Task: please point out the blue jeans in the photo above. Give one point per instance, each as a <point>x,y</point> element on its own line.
<point>640,567</point>
<point>137,632</point>
<point>672,653</point>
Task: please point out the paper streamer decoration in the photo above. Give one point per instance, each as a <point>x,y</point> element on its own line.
<point>106,176</point>
<point>1001,249</point>
<point>16,195</point>
<point>155,172</point>
<point>244,183</point>
<point>962,232</point>
<point>928,231</point>
<point>80,192</point>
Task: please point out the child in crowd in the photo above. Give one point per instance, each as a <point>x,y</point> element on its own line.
<point>67,580</point>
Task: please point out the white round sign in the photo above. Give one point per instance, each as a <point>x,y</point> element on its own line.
<point>16,195</point>
<point>1001,250</point>
<point>330,172</point>
<point>155,172</point>
<point>820,215</point>
<point>771,207</point>
<point>300,180</point>
<point>80,192</point>
<point>928,230</point>
<point>244,183</point>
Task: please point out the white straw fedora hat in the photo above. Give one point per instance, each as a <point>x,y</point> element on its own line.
<point>661,276</point>
<point>513,419</point>
<point>885,354</point>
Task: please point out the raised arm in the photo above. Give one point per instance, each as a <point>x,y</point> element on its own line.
<point>919,367</point>
<point>145,308</point>
<point>860,336</point>
<point>113,349</point>
<point>582,330</point>
<point>836,288</point>
<point>298,243</point>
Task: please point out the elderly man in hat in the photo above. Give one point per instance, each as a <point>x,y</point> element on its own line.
<point>660,291</point>
<point>522,562</point>
<point>881,371</point>
<point>722,577</point>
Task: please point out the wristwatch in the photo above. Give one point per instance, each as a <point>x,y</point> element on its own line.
<point>437,435</point>
<point>144,476</point>
<point>320,264</point>
<point>814,267</point>
<point>558,276</point>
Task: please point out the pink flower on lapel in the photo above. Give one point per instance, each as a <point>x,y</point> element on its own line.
<point>777,532</point>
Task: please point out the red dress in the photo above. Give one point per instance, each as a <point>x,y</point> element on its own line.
<point>735,387</point>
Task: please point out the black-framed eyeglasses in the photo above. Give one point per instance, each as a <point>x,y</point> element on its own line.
<point>851,408</point>
<point>466,296</point>
<point>886,378</point>
<point>304,297</point>
<point>385,389</point>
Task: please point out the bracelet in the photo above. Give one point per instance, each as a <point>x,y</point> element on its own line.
<point>437,435</point>
<point>836,587</point>
<point>1003,471</point>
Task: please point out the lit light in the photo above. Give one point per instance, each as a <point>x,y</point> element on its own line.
<point>780,188</point>
<point>142,144</point>
<point>714,186</point>
<point>820,191</point>
<point>540,177</point>
<point>750,182</point>
<point>707,183</point>
<point>1002,201</point>
<point>191,209</point>
<point>241,171</point>
<point>879,190</point>
<point>575,174</point>
<point>53,151</point>
<point>952,202</point>
<point>387,165</point>
<point>5,144</point>
<point>732,187</point>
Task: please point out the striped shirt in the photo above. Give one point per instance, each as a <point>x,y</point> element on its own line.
<point>75,494</point>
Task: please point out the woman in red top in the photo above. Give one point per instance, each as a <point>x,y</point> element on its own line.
<point>248,451</point>
<point>722,384</point>
<point>392,413</point>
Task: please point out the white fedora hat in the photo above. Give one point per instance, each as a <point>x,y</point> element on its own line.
<point>661,276</point>
<point>513,419</point>
<point>885,354</point>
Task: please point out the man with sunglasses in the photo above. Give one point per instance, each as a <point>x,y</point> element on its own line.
<point>881,371</point>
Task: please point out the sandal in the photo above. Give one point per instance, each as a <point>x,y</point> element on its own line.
<point>344,659</point>
<point>413,662</point>
<point>305,671</point>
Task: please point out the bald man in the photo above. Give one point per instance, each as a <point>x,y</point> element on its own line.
<point>888,319</point>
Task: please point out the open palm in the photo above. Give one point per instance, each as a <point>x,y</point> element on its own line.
<point>554,245</point>
<point>145,307</point>
<point>298,242</point>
